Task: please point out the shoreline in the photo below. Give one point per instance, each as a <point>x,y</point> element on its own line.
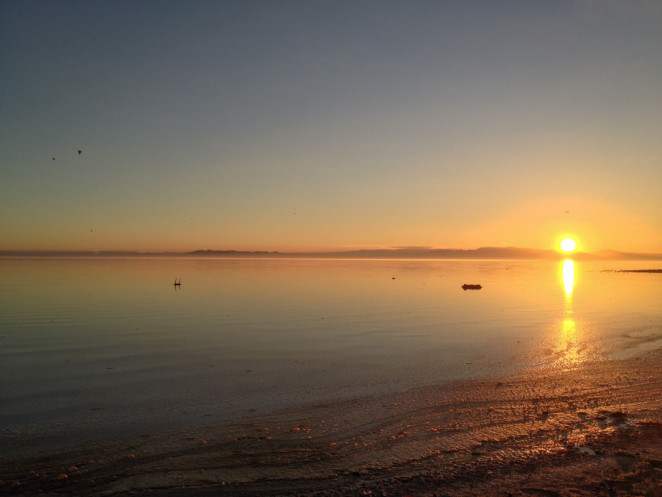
<point>421,253</point>
<point>595,429</point>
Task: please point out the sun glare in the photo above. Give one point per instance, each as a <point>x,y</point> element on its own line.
<point>568,245</point>
<point>568,276</point>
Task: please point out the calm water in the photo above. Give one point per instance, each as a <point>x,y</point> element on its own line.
<point>106,347</point>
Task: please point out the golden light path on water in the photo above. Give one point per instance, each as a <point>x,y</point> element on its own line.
<point>568,278</point>
<point>570,348</point>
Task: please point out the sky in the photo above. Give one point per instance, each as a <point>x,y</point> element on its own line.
<point>315,125</point>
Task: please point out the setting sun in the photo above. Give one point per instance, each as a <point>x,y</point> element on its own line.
<point>568,245</point>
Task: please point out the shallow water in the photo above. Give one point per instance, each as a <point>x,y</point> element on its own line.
<point>95,348</point>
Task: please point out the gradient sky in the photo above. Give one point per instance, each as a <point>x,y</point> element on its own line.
<point>312,125</point>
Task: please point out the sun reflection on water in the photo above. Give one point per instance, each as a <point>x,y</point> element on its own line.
<point>570,349</point>
<point>568,278</point>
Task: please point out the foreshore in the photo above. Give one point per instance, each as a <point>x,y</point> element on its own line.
<point>594,429</point>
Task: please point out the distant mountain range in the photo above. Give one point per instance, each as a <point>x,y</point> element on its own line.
<point>394,253</point>
<point>434,253</point>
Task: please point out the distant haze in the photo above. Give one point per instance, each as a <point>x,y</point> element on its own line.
<point>394,253</point>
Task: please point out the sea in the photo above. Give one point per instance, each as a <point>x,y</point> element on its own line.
<point>98,348</point>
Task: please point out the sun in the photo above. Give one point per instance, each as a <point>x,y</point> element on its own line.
<point>568,245</point>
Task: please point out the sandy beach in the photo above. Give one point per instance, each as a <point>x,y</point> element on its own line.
<point>592,430</point>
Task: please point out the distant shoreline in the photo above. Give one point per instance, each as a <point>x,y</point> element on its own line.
<point>511,253</point>
<point>632,271</point>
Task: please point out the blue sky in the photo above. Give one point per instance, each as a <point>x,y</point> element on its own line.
<point>313,125</point>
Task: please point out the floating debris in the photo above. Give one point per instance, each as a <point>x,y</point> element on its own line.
<point>468,286</point>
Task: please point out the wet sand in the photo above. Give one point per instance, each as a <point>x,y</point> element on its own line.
<point>591,430</point>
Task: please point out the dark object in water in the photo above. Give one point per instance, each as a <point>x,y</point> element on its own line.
<point>467,286</point>
<point>178,282</point>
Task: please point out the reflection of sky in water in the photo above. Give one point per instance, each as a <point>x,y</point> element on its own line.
<point>115,336</point>
<point>606,314</point>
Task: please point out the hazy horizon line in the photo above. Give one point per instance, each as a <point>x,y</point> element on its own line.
<point>487,252</point>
